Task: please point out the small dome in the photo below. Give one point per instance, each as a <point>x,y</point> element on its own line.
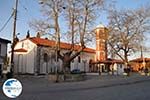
<point>100,26</point>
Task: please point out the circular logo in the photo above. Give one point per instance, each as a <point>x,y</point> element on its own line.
<point>12,88</point>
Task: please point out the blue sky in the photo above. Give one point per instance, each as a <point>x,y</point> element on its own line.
<point>27,10</point>
<point>30,9</point>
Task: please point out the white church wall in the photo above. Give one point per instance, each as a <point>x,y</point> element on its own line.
<point>84,62</point>
<point>121,69</point>
<point>24,61</point>
<point>50,66</point>
<point>27,62</point>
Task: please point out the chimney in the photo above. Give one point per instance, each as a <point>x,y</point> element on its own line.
<point>38,35</point>
<point>46,38</point>
<point>101,42</point>
<point>28,34</point>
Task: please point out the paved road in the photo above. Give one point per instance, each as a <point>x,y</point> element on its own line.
<point>96,88</point>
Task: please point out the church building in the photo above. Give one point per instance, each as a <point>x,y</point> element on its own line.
<point>35,55</point>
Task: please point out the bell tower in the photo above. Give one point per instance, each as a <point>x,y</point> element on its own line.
<point>101,42</point>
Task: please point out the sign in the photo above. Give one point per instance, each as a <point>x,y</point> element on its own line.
<point>12,88</point>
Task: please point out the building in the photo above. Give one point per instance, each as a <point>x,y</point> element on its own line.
<point>140,63</point>
<point>35,55</point>
<point>101,43</point>
<point>102,63</point>
<point>3,52</point>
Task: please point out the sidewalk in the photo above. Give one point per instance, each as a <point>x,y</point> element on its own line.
<point>92,81</point>
<point>109,81</point>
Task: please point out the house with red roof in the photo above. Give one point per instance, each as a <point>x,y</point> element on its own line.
<point>35,55</point>
<point>140,63</point>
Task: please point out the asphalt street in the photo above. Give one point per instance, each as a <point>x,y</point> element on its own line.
<point>94,88</point>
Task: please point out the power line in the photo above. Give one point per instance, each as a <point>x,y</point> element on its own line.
<point>25,8</point>
<point>7,22</point>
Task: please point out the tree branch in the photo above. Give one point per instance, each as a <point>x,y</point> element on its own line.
<point>116,51</point>
<point>77,53</point>
<point>59,55</point>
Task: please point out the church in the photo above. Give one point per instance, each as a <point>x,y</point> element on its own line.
<point>36,55</point>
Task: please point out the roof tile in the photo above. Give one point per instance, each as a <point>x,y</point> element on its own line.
<point>20,50</point>
<point>51,43</point>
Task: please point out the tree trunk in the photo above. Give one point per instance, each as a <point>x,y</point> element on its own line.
<point>126,57</point>
<point>66,66</point>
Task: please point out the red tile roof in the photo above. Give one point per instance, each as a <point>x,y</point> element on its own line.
<point>51,43</point>
<point>109,61</point>
<point>140,60</point>
<point>20,50</point>
<point>115,60</point>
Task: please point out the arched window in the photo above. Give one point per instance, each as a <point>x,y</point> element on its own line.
<point>53,56</point>
<point>45,57</point>
<point>79,59</point>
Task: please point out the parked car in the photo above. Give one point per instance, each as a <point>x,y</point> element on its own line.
<point>76,71</point>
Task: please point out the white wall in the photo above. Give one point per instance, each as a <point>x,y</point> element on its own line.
<point>121,69</point>
<point>118,69</point>
<point>3,52</point>
<point>84,64</point>
<point>28,62</point>
<point>52,65</point>
<point>24,62</point>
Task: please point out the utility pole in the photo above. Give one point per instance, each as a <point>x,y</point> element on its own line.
<point>142,57</point>
<point>141,52</point>
<point>14,36</point>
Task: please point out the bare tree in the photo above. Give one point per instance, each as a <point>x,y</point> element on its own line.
<point>127,29</point>
<point>79,16</point>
